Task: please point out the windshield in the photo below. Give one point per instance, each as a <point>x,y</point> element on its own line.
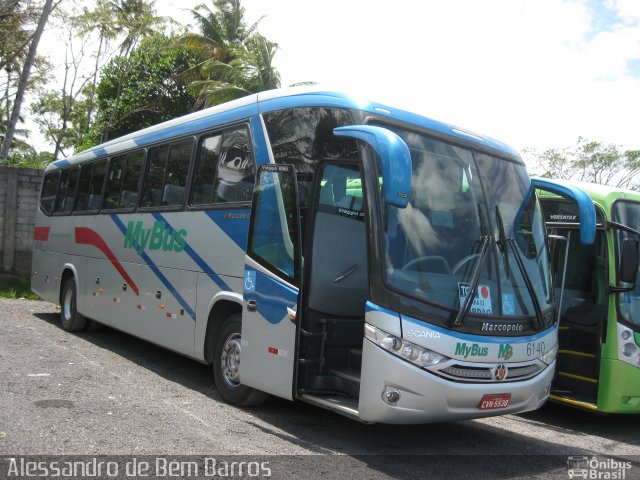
<point>628,213</point>
<point>433,246</point>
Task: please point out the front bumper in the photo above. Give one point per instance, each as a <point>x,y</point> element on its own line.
<point>427,398</point>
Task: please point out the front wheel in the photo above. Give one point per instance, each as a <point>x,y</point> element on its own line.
<point>226,367</point>
<point>71,320</point>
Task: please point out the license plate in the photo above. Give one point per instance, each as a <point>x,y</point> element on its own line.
<point>495,401</point>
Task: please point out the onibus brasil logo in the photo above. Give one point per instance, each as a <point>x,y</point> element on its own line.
<point>607,469</point>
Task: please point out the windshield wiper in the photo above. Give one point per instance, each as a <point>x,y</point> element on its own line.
<point>468,301</point>
<point>510,242</point>
<point>502,242</point>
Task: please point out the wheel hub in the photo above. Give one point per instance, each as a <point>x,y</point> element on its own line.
<point>231,360</point>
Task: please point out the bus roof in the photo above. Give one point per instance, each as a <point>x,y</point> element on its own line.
<point>266,102</point>
<point>603,195</point>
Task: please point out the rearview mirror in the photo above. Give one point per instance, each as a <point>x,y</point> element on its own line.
<point>586,210</point>
<point>395,160</point>
<point>629,260</point>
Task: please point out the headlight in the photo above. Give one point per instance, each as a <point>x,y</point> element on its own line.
<point>629,351</point>
<point>420,356</point>
<point>550,356</point>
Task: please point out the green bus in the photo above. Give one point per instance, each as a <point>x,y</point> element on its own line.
<point>598,298</point>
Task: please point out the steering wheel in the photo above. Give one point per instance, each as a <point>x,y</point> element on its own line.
<point>427,258</point>
<point>464,261</point>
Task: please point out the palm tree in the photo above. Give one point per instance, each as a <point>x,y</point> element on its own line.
<point>135,19</point>
<point>100,19</point>
<point>238,60</point>
<point>23,83</point>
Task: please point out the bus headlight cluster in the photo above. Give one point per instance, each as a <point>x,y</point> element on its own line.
<point>423,357</point>
<point>628,347</point>
<point>550,356</point>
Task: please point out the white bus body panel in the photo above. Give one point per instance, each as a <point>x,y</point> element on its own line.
<point>187,259</point>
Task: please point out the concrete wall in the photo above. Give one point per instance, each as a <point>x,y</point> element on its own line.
<point>19,190</point>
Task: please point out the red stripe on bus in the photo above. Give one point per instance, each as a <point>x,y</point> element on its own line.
<point>87,236</point>
<point>41,233</point>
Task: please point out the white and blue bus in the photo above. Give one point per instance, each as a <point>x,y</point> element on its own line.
<point>315,247</point>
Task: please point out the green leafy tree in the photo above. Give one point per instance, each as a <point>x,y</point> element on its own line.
<point>62,119</point>
<point>31,159</point>
<point>100,20</point>
<point>588,161</point>
<point>134,20</point>
<point>238,60</point>
<point>150,92</point>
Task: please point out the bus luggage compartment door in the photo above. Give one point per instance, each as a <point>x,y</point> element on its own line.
<point>270,287</point>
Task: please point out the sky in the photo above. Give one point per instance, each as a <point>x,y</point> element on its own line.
<point>531,73</point>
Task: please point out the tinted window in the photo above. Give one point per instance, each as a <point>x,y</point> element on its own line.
<point>124,176</point>
<point>49,190</point>
<point>67,190</point>
<point>166,181</point>
<point>273,240</point>
<point>90,186</point>
<point>225,169</point>
<point>302,136</point>
<point>628,213</point>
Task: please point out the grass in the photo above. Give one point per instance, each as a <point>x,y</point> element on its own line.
<point>16,287</point>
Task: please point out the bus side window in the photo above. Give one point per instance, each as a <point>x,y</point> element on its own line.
<point>116,172</point>
<point>225,169</point>
<point>49,191</point>
<point>124,176</point>
<point>236,169</point>
<point>175,178</point>
<point>206,161</point>
<point>166,180</point>
<point>90,186</point>
<point>67,190</point>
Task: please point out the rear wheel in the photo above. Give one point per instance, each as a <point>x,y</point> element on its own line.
<point>72,321</point>
<point>226,366</point>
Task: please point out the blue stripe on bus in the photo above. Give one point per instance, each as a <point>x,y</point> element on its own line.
<point>62,163</point>
<point>100,152</point>
<point>259,142</point>
<point>194,256</point>
<point>237,229</point>
<point>154,268</point>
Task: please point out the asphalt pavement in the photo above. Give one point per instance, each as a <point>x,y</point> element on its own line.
<point>104,393</point>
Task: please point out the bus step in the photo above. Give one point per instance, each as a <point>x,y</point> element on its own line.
<point>355,359</point>
<point>342,405</point>
<point>567,398</point>
<point>349,381</point>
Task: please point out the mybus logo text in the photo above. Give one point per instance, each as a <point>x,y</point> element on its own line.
<point>473,350</point>
<point>157,237</point>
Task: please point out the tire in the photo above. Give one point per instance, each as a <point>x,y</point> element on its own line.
<point>226,364</point>
<point>71,320</point>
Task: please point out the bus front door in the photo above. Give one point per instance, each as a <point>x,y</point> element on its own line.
<point>271,283</point>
